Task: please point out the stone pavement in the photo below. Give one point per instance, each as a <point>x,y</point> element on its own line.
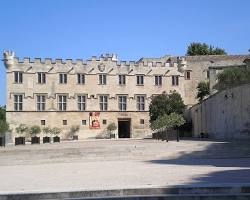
<point>115,164</point>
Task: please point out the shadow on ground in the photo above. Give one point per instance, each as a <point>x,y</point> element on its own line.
<point>229,154</point>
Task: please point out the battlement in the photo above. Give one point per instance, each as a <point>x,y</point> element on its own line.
<point>10,59</point>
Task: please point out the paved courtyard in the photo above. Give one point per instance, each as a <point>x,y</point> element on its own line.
<point>115,164</point>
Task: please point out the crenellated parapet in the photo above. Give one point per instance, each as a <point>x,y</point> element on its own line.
<point>106,63</point>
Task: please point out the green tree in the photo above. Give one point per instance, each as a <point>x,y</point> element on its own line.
<point>74,129</point>
<point>34,130</point>
<point>55,131</point>
<point>232,77</point>
<point>203,90</point>
<point>197,48</point>
<point>3,113</point>
<point>46,130</point>
<point>21,129</point>
<point>166,121</point>
<point>165,104</point>
<point>4,127</point>
<point>111,127</point>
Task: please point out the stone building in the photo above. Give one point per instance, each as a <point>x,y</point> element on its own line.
<point>99,91</point>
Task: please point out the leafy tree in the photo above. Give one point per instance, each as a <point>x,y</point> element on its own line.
<point>232,77</point>
<point>166,121</point>
<point>197,48</point>
<point>111,127</point>
<point>34,130</point>
<point>55,131</point>
<point>74,129</point>
<point>165,104</point>
<point>203,90</point>
<point>4,126</point>
<point>46,130</point>
<point>21,129</point>
<point>2,113</point>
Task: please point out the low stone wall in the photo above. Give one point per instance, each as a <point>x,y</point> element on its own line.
<point>223,115</point>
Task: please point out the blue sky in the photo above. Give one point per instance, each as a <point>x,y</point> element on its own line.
<point>131,28</point>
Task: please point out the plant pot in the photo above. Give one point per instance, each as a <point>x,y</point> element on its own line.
<point>75,137</point>
<point>46,139</point>
<point>2,141</point>
<point>35,140</point>
<point>19,140</point>
<point>56,139</point>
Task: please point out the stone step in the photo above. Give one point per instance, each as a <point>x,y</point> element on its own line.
<point>163,193</point>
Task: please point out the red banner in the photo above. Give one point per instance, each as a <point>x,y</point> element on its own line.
<point>94,120</point>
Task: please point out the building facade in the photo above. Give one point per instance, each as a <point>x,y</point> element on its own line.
<point>99,91</point>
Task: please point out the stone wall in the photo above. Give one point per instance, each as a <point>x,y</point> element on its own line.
<point>223,115</point>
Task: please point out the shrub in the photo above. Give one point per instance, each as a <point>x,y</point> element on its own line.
<point>34,130</point>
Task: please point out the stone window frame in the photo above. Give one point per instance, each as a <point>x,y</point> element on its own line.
<point>140,79</point>
<point>62,102</point>
<point>142,121</point>
<point>81,102</point>
<point>122,79</point>
<point>84,122</point>
<point>41,77</point>
<point>122,102</point>
<point>18,77</point>
<point>81,79</point>
<point>103,102</point>
<point>104,121</point>
<point>40,102</point>
<point>43,122</point>
<point>140,102</point>
<point>65,122</point>
<point>63,79</point>
<point>102,79</point>
<point>18,102</point>
<point>175,80</point>
<point>158,79</point>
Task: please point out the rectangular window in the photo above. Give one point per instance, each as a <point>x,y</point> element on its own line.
<point>43,122</point>
<point>63,78</point>
<point>62,102</point>
<point>158,80</point>
<point>65,122</point>
<point>84,122</point>
<point>104,121</point>
<point>102,79</point>
<point>140,100</point>
<point>103,102</point>
<point>122,103</point>
<point>139,79</point>
<point>122,80</point>
<point>18,77</point>
<point>40,102</point>
<point>142,121</point>
<point>81,79</point>
<point>18,102</point>
<point>175,80</point>
<point>41,78</point>
<point>81,102</point>
<point>187,75</point>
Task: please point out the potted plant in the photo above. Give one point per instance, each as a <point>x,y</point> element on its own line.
<point>46,132</point>
<point>111,127</point>
<point>21,130</point>
<point>73,131</point>
<point>4,127</point>
<point>55,132</point>
<point>34,131</point>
